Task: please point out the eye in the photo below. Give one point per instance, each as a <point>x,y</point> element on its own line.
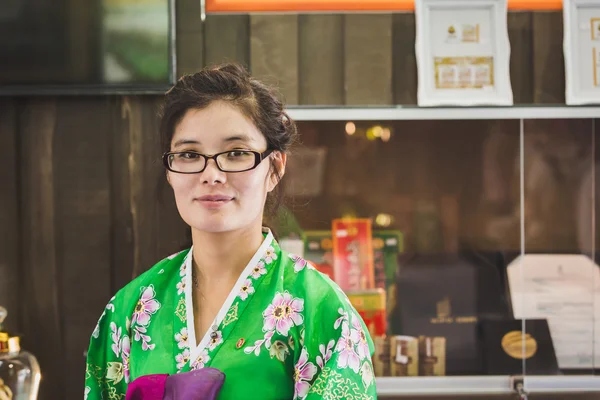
<point>238,153</point>
<point>188,156</point>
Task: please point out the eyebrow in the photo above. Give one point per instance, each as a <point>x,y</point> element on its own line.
<point>185,141</point>
<point>235,138</point>
<point>238,138</point>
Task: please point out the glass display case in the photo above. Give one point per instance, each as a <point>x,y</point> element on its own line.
<point>493,285</point>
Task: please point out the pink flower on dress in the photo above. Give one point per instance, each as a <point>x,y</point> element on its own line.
<point>145,307</point>
<point>259,270</point>
<point>139,333</point>
<point>246,289</point>
<point>182,338</point>
<point>359,338</point>
<point>303,374</point>
<point>116,338</point>
<point>344,317</point>
<point>125,352</point>
<point>181,286</point>
<point>299,263</point>
<point>182,358</point>
<point>345,346</point>
<point>270,255</point>
<point>216,341</point>
<point>283,313</point>
<point>325,353</point>
<point>202,360</point>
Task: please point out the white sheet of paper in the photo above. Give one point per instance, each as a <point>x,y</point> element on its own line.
<point>565,290</point>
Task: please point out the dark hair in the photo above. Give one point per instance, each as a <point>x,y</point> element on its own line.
<point>232,83</point>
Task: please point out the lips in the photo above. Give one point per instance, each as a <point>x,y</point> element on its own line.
<point>214,201</point>
<point>216,198</point>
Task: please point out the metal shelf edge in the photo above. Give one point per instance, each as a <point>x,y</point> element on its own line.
<point>551,384</point>
<point>444,385</point>
<point>442,113</point>
<point>491,385</point>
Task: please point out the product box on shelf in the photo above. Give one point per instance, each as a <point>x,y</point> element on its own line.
<point>387,245</point>
<point>318,250</point>
<point>370,304</point>
<point>404,356</point>
<point>353,254</point>
<point>437,297</point>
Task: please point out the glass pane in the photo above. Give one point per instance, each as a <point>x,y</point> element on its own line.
<point>443,201</point>
<point>556,274</point>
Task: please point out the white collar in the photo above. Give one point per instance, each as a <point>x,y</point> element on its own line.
<point>195,350</point>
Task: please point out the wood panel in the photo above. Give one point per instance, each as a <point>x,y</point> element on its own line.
<point>143,177</point>
<point>521,72</point>
<point>83,225</point>
<point>189,37</point>
<point>405,81</point>
<point>42,325</point>
<point>122,260</point>
<point>548,59</point>
<point>274,52</point>
<point>368,59</point>
<point>172,232</point>
<point>321,59</point>
<point>157,228</point>
<point>187,16</point>
<point>226,39</point>
<point>9,219</point>
<point>189,53</point>
<point>83,34</point>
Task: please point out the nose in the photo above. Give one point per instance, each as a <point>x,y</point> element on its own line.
<point>212,174</point>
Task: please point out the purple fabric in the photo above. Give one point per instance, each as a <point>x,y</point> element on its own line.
<point>148,387</point>
<point>201,384</point>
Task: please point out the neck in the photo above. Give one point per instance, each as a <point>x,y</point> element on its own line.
<point>219,258</point>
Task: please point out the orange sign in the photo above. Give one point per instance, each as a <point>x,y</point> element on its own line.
<point>247,6</point>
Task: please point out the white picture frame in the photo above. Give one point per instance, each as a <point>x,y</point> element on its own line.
<point>581,46</point>
<point>463,53</point>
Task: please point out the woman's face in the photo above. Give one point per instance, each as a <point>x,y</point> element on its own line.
<point>216,201</point>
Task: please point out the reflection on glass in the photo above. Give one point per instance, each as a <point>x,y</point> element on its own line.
<point>557,280</point>
<point>136,40</point>
<point>444,200</point>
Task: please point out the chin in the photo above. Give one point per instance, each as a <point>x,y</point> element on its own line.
<point>212,226</point>
<point>215,224</point>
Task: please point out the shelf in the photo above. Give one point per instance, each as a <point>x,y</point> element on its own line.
<point>303,6</point>
<point>444,113</point>
<point>455,385</point>
<point>488,385</point>
<point>562,384</point>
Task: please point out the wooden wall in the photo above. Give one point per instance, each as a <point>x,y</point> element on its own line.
<point>85,212</point>
<point>85,205</point>
<point>357,59</point>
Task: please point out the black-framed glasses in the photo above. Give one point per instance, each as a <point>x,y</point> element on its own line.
<point>191,162</point>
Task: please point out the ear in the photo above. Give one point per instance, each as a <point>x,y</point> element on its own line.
<point>280,161</point>
<point>168,177</point>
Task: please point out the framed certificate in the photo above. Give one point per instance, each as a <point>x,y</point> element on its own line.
<point>582,51</point>
<point>463,53</point>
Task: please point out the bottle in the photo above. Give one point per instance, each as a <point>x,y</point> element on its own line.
<point>19,370</point>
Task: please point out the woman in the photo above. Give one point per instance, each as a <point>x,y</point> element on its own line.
<point>236,302</point>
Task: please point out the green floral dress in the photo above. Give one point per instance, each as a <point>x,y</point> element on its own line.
<point>286,331</point>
